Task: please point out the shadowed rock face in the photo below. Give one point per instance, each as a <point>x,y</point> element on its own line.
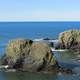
<point>29,56</point>
<point>70,39</point>
<point>40,57</point>
<point>15,50</point>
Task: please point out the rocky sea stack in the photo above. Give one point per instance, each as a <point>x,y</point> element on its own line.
<point>26,55</point>
<point>70,39</point>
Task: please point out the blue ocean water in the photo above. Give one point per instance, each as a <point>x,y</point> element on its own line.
<point>33,30</point>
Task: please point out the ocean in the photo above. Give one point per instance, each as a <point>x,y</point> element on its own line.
<point>35,30</point>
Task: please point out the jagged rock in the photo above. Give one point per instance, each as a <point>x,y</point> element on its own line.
<point>16,49</point>
<point>26,55</point>
<point>70,39</point>
<point>40,57</point>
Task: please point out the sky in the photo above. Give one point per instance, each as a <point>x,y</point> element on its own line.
<point>39,10</point>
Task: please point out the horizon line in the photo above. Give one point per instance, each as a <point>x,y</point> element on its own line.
<point>43,21</point>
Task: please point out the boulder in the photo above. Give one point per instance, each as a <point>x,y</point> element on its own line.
<point>16,49</point>
<point>39,58</point>
<point>26,55</point>
<point>70,39</point>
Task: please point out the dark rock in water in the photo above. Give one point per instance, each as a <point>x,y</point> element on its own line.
<point>58,45</point>
<point>3,60</point>
<point>46,39</point>
<point>18,64</point>
<point>26,55</point>
<point>51,44</point>
<point>70,39</point>
<point>66,71</point>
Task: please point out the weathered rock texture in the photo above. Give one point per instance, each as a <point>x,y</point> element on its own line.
<point>29,56</point>
<point>15,50</point>
<point>40,57</point>
<point>70,39</point>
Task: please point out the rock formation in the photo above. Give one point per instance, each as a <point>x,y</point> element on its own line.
<point>16,49</point>
<point>40,57</point>
<point>70,39</point>
<point>26,55</point>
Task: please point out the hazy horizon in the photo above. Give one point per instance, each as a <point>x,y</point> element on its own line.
<point>43,10</point>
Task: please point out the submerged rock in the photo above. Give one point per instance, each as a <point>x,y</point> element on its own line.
<point>70,39</point>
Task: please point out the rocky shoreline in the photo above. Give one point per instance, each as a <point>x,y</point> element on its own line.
<point>28,55</point>
<point>37,56</point>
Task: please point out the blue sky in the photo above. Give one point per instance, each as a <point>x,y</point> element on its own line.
<point>39,10</point>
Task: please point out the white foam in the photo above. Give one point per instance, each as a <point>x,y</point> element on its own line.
<point>2,66</point>
<point>53,49</point>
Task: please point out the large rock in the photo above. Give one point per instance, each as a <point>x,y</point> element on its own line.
<point>40,57</point>
<point>16,49</point>
<point>70,39</point>
<point>33,57</point>
<point>26,55</point>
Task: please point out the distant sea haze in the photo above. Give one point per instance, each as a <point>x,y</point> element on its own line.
<point>32,30</point>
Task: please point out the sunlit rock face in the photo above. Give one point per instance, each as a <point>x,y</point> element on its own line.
<point>70,39</point>
<point>40,57</point>
<point>16,49</point>
<point>22,54</point>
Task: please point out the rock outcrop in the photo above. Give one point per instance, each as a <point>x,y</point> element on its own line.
<point>26,55</point>
<point>15,50</point>
<point>40,57</point>
<point>70,39</point>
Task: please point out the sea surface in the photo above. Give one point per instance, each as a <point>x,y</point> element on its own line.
<point>35,30</point>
